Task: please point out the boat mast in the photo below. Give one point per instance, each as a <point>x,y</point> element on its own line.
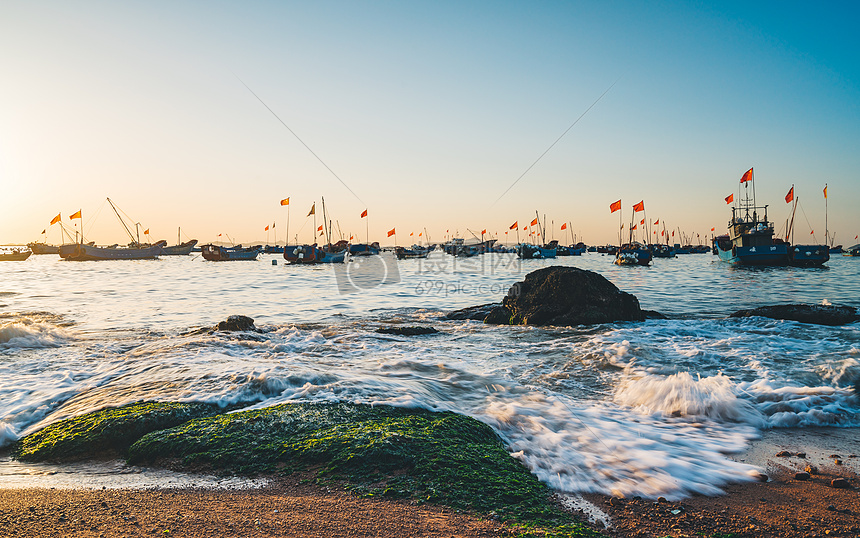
<point>130,235</point>
<point>826,235</point>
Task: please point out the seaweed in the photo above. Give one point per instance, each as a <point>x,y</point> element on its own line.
<point>107,432</point>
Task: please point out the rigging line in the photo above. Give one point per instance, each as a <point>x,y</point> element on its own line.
<point>299,139</point>
<point>556,141</point>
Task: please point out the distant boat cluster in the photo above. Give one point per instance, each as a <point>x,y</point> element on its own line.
<point>750,241</point>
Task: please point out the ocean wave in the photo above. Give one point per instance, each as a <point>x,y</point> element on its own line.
<point>29,331</point>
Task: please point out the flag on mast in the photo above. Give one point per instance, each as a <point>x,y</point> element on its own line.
<point>615,206</point>
<point>55,219</point>
<point>363,214</point>
<point>790,196</point>
<point>313,210</point>
<point>730,198</point>
<point>75,215</point>
<point>747,176</point>
<point>285,201</point>
<point>639,207</point>
<point>514,226</point>
<point>391,232</point>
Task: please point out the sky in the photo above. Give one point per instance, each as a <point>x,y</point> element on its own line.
<point>450,116</point>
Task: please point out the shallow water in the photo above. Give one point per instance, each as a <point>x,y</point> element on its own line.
<point>648,408</point>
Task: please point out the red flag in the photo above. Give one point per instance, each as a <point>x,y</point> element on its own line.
<point>391,232</point>
<point>730,198</point>
<point>483,231</point>
<point>285,201</point>
<point>747,176</point>
<point>812,232</point>
<point>656,222</point>
<point>146,232</point>
<point>525,228</point>
<point>219,235</point>
<point>825,191</point>
<point>55,219</point>
<point>634,226</point>
<point>267,228</point>
<point>350,237</point>
<point>514,225</point>
<point>712,229</point>
<point>564,226</point>
<point>363,214</point>
<point>75,215</point>
<point>411,234</point>
<point>319,228</point>
<point>673,233</point>
<point>663,232</point>
<point>639,207</point>
<point>790,196</point>
<point>534,222</point>
<point>420,234</point>
<point>614,206</point>
<point>45,230</point>
<point>643,222</point>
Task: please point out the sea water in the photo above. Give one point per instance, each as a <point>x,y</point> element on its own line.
<point>651,408</point>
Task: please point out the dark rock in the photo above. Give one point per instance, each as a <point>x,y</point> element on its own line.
<point>801,455</point>
<point>477,313</point>
<point>762,477</point>
<point>818,314</point>
<point>406,331</point>
<point>783,454</point>
<point>835,456</point>
<point>236,323</point>
<point>801,476</point>
<point>811,469</point>
<point>840,483</point>
<point>563,296</point>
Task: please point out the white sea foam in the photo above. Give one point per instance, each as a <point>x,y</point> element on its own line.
<point>24,332</point>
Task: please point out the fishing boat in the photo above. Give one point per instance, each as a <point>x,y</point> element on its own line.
<point>852,251</point>
<point>633,253</point>
<point>750,240</point>
<point>90,252</point>
<point>215,253</point>
<point>15,255</point>
<point>310,254</point>
<point>662,251</point>
<point>180,248</point>
<point>528,251</point>
<point>43,248</point>
<point>415,252</point>
<point>363,249</point>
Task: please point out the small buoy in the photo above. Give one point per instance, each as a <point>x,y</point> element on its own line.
<point>274,262</point>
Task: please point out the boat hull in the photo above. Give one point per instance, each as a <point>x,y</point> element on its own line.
<point>311,254</point>
<point>79,252</point>
<point>769,255</point>
<point>214,253</point>
<point>14,256</point>
<point>808,255</point>
<point>179,250</point>
<point>42,248</point>
<point>533,252</point>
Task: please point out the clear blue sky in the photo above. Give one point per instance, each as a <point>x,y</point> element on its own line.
<point>428,111</point>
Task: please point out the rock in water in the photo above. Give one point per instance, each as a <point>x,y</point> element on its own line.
<point>564,296</point>
<point>818,314</point>
<point>236,323</point>
<point>406,331</point>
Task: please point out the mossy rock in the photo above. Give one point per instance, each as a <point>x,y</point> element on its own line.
<point>108,432</point>
<point>379,450</point>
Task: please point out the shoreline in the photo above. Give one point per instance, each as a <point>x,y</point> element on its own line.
<point>297,505</point>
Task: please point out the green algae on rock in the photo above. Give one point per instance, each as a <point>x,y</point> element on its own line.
<point>379,450</point>
<point>106,432</point>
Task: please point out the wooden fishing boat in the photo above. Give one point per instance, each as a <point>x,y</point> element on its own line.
<point>43,248</point>
<point>363,249</point>
<point>410,253</point>
<point>802,255</point>
<point>526,251</point>
<point>90,252</point>
<point>215,253</point>
<point>14,255</point>
<point>182,249</point>
<point>852,251</point>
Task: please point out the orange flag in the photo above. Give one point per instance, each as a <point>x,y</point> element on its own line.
<point>363,214</point>
<point>285,201</point>
<point>634,227</point>
<point>825,191</point>
<point>55,219</point>
<point>146,232</point>
<point>75,215</point>
<point>483,231</point>
<point>267,228</point>
<point>411,234</point>
<point>747,176</point>
<point>614,206</point>
<point>420,234</point>
<point>656,222</point>
<point>790,196</point>
<point>514,226</point>
<point>712,229</point>
<point>534,222</point>
<point>564,226</point>
<point>643,222</point>
<point>319,228</point>
<point>639,207</point>
<point>313,210</point>
<point>730,198</point>
<point>391,232</point>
